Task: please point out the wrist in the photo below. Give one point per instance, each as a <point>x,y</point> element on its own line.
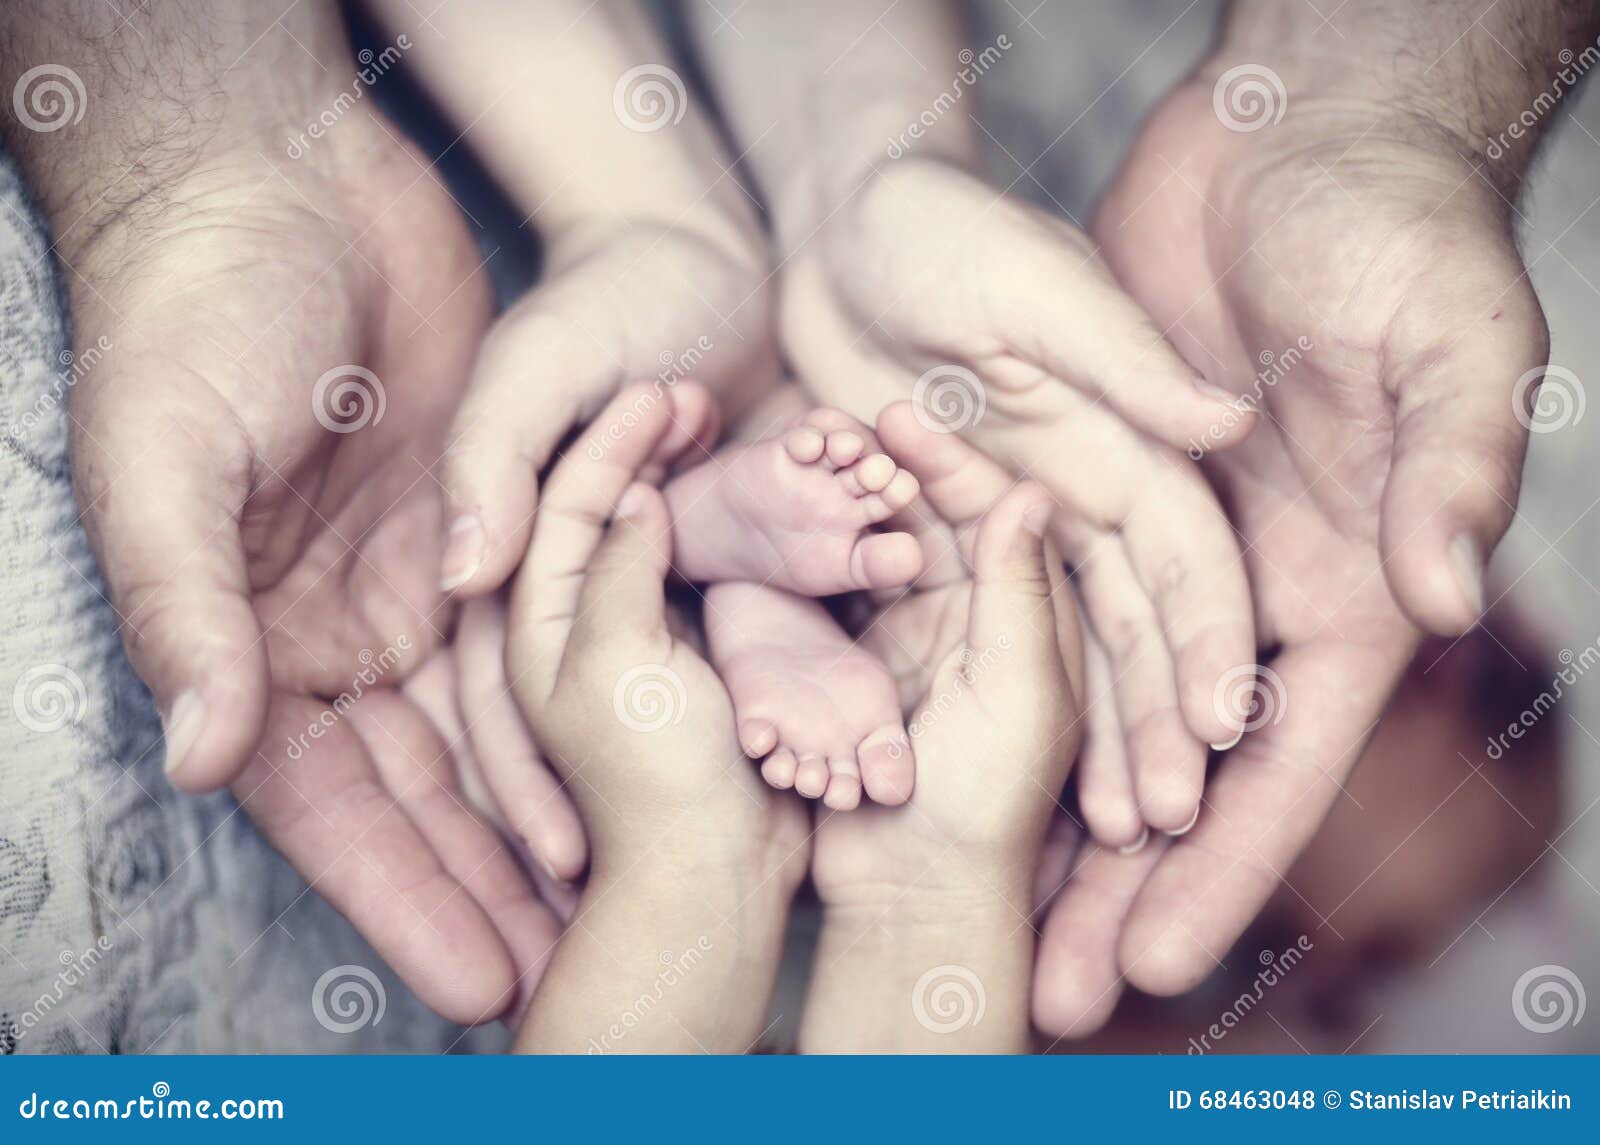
<point>1453,81</point>
<point>959,883</point>
<point>723,857</point>
<point>158,112</point>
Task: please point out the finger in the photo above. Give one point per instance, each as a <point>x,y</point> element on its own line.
<point>1060,308</point>
<point>1460,437</point>
<point>161,502</point>
<point>533,802</point>
<point>1105,782</point>
<point>1013,606</point>
<point>414,765</point>
<point>578,504</point>
<point>626,589</point>
<point>957,480</point>
<point>1187,559</point>
<point>533,381</point>
<point>1262,807</point>
<point>324,809</point>
<point>1076,979</point>
<point>1165,759</point>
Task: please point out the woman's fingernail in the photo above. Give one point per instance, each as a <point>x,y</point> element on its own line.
<point>1189,826</point>
<point>1137,845</point>
<point>1230,744</point>
<point>1468,566</point>
<point>463,552</point>
<point>182,726</point>
<point>631,501</point>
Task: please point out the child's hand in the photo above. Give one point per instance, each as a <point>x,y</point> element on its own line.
<point>637,725</point>
<point>694,858</point>
<point>1000,321</point>
<point>945,881</point>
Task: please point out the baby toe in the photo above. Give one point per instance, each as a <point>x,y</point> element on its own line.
<point>830,418</point>
<point>757,737</point>
<point>779,769</point>
<point>888,769</point>
<point>874,472</point>
<point>804,444</point>
<point>885,560</point>
<point>845,446</point>
<point>811,776</point>
<point>844,784</point>
<point>901,490</point>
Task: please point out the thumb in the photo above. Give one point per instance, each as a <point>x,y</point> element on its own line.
<point>625,591</point>
<point>524,396</point>
<point>1013,606</point>
<point>1461,434</point>
<point>165,527</point>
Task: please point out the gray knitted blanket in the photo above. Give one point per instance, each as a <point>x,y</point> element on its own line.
<point>132,919</point>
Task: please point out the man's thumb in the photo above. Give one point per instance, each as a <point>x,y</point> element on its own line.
<point>1460,437</point>
<point>165,527</point>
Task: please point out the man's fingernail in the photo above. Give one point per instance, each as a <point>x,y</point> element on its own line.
<point>182,726</point>
<point>1137,845</point>
<point>463,552</point>
<point>631,501</point>
<point>1189,826</point>
<point>1230,744</point>
<point>1468,566</point>
<point>1037,518</point>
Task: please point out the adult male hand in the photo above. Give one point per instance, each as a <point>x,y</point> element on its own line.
<point>290,325</point>
<point>1320,224</point>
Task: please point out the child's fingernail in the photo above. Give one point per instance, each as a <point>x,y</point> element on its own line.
<point>1468,567</point>
<point>1037,518</point>
<point>1189,826</point>
<point>182,726</point>
<point>1230,744</point>
<point>463,552</point>
<point>1137,845</point>
<point>1215,392</point>
<point>631,501</point>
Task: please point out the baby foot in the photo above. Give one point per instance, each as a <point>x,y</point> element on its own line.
<point>823,711</point>
<point>796,511</point>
